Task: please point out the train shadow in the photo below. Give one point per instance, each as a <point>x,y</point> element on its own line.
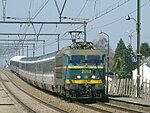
<point>92,101</point>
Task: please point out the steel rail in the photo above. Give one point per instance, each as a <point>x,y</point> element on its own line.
<point>38,99</point>
<point>18,100</point>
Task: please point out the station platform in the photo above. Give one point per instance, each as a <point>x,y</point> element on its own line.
<point>133,100</point>
<point>140,104</point>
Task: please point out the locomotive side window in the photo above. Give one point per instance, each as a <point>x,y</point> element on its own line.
<point>59,61</point>
<point>66,59</point>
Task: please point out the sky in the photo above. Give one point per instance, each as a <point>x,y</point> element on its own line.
<point>106,15</point>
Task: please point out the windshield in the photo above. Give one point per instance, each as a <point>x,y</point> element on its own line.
<point>78,59</point>
<point>89,60</point>
<point>93,59</point>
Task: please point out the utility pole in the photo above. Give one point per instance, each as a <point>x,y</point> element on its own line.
<point>107,85</point>
<point>60,12</point>
<point>138,48</point>
<point>58,41</point>
<point>85,24</point>
<point>4,9</point>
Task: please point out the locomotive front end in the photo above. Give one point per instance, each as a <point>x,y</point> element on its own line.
<point>85,75</point>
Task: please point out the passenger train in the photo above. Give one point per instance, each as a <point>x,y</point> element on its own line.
<point>75,72</point>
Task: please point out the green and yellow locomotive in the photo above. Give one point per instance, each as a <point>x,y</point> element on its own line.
<point>80,71</point>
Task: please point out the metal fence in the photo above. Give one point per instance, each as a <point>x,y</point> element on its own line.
<point>127,87</point>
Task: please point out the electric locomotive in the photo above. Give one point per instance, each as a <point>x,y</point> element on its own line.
<point>76,71</point>
<point>80,69</point>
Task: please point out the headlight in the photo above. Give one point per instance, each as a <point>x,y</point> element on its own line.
<point>78,76</point>
<point>93,77</point>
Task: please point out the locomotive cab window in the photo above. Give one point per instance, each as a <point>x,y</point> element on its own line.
<point>93,59</point>
<point>78,59</point>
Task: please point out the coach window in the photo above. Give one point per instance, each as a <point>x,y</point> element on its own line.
<point>38,68</point>
<point>46,65</point>
<point>23,66</point>
<point>32,67</point>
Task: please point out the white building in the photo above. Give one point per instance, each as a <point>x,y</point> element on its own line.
<point>144,73</point>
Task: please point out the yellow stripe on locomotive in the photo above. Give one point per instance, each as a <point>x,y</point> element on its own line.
<point>86,66</point>
<point>83,81</point>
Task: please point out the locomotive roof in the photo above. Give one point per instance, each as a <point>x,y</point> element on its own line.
<point>17,58</point>
<point>40,57</point>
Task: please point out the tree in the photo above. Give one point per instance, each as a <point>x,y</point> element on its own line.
<point>129,64</point>
<point>102,44</point>
<point>145,49</point>
<point>123,65</point>
<point>119,58</point>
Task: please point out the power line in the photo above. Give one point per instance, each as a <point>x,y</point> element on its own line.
<point>113,7</point>
<point>82,8</point>
<point>40,9</point>
<point>108,10</point>
<point>118,19</point>
<point>34,16</point>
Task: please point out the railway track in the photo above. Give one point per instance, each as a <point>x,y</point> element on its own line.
<point>96,107</point>
<point>107,108</point>
<point>69,107</point>
<point>101,110</point>
<point>119,108</point>
<point>140,107</point>
<point>29,110</point>
<point>28,107</point>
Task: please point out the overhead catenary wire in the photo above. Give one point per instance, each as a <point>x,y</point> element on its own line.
<point>36,13</point>
<point>123,17</point>
<point>109,9</point>
<point>104,12</point>
<point>34,16</point>
<point>26,27</point>
<point>114,20</point>
<point>98,15</point>
<point>40,9</point>
<point>110,22</point>
<point>82,8</point>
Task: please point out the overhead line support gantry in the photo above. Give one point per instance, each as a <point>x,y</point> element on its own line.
<point>61,23</point>
<point>28,41</point>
